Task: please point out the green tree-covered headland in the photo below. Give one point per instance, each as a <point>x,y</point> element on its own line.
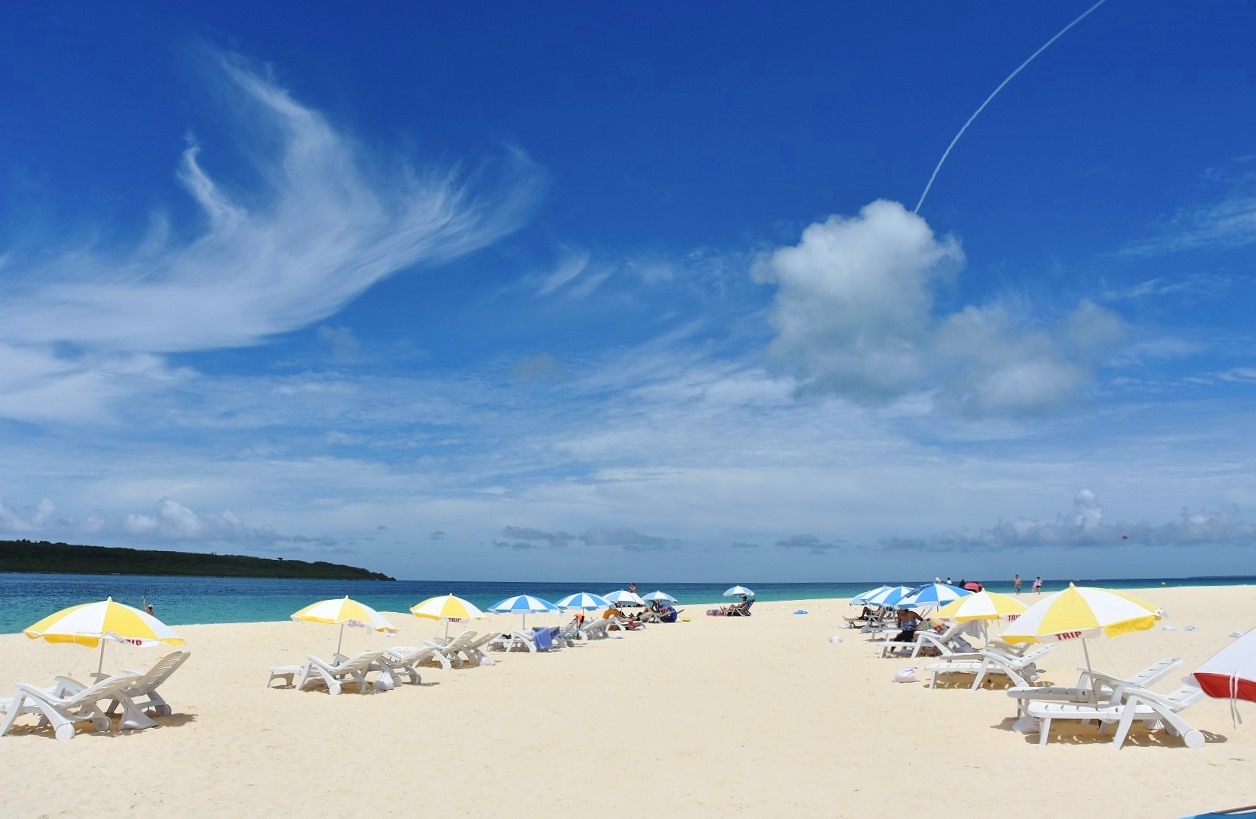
<point>63,558</point>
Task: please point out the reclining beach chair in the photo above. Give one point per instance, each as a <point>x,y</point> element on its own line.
<point>404,661</point>
<point>1021,670</point>
<point>1093,687</point>
<point>144,691</point>
<point>595,630</point>
<point>474,649</point>
<point>64,709</point>
<point>1137,704</point>
<point>954,640</point>
<point>333,676</point>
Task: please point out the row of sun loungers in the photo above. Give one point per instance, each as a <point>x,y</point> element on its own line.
<point>1114,703</point>
<point>382,670</point>
<point>68,704</point>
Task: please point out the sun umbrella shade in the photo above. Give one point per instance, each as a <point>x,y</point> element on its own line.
<point>862,599</point>
<point>446,607</point>
<point>522,604</point>
<point>736,590</point>
<point>983,605</point>
<point>1081,612</point>
<point>661,596</point>
<point>583,600</point>
<point>892,596</point>
<point>89,623</point>
<point>625,596</point>
<point>1230,674</point>
<point>342,611</point>
<point>933,594</point>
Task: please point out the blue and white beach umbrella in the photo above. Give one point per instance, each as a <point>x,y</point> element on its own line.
<point>583,600</point>
<point>621,596</point>
<point>862,599</point>
<point>524,604</point>
<point>933,594</point>
<point>661,596</point>
<point>892,596</point>
<point>736,590</point>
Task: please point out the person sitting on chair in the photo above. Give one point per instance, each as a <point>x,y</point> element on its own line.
<point>908,622</point>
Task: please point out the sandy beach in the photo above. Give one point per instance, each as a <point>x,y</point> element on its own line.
<point>764,715</point>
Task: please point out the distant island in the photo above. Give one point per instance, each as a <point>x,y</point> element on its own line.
<point>63,558</point>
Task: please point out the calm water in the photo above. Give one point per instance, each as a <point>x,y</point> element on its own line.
<point>25,598</point>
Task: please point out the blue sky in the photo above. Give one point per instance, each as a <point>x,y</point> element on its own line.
<point>571,291</point>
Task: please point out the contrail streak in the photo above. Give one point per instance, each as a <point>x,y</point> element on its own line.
<point>995,93</point>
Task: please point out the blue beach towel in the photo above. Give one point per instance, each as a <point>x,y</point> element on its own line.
<point>544,639</point>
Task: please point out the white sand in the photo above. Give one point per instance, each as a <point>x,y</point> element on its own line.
<point>760,715</point>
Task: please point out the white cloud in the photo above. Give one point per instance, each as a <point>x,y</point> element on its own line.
<point>854,299</point>
<point>854,316</point>
<point>1088,528</point>
<point>991,364</point>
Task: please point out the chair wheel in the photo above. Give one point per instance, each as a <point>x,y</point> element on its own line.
<point>65,733</point>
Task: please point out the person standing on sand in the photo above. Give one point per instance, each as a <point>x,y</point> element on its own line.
<point>1016,584</point>
<point>1038,585</point>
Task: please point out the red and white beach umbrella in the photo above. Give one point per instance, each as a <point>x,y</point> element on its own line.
<point>1230,674</point>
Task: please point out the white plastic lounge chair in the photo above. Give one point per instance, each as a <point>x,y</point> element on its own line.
<point>1021,670</point>
<point>474,650</point>
<point>1138,704</point>
<point>947,643</point>
<point>453,650</point>
<point>144,692</point>
<point>595,630</point>
<point>954,640</point>
<point>333,676</point>
<point>64,712</point>
<point>406,659</point>
<point>1093,687</point>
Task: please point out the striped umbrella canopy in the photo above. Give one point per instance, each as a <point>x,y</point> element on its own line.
<point>891,596</point>
<point>862,599</point>
<point>342,611</point>
<point>933,594</point>
<point>447,607</point>
<point>624,596</point>
<point>736,590</point>
<point>524,604</point>
<point>91,624</point>
<point>983,605</point>
<point>1082,612</point>
<point>661,596</point>
<point>583,600</point>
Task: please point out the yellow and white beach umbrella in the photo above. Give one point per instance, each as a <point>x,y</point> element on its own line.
<point>446,607</point>
<point>1080,613</point>
<point>342,611</point>
<point>984,605</point>
<point>91,624</point>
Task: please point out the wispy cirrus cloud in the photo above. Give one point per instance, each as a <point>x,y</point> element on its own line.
<point>324,222</point>
<point>1224,225</point>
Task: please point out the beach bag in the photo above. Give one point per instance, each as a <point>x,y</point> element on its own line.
<point>906,675</point>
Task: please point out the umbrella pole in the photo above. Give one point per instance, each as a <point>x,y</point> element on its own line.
<point>1086,651</point>
<point>340,641</point>
<point>101,664</point>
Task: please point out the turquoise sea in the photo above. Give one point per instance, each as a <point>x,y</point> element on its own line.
<point>25,598</point>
